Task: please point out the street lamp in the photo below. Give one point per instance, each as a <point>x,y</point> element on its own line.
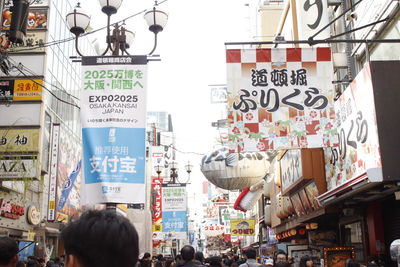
<point>158,168</point>
<point>188,168</point>
<point>78,21</point>
<point>174,172</point>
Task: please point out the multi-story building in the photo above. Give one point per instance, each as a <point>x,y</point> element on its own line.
<point>40,127</point>
<point>344,200</point>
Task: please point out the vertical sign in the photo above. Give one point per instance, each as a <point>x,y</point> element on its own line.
<point>113,114</point>
<point>358,151</point>
<point>174,219</point>
<point>312,16</point>
<point>51,213</point>
<point>280,98</point>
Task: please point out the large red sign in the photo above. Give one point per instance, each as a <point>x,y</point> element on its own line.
<point>10,210</point>
<point>156,193</point>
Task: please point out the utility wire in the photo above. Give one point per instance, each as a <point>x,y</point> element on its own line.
<point>44,80</point>
<point>19,68</point>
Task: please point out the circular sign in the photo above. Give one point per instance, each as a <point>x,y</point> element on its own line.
<point>33,215</point>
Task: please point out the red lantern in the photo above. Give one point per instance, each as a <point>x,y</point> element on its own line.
<point>302,231</point>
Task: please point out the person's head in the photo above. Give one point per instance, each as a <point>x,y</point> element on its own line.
<point>306,261</point>
<point>62,258</point>
<point>187,253</point>
<point>280,256</point>
<point>8,252</point>
<point>41,262</point>
<point>160,257</point>
<point>251,253</point>
<point>230,255</point>
<point>282,264</point>
<point>199,256</point>
<point>178,257</point>
<point>20,264</point>
<point>146,257</point>
<point>215,261</point>
<point>100,239</point>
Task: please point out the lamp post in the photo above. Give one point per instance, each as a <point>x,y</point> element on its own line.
<point>188,168</point>
<point>120,39</point>
<point>174,172</point>
<point>158,168</point>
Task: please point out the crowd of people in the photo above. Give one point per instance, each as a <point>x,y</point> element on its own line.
<point>107,239</point>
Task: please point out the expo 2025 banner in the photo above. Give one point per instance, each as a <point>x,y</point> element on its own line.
<point>113,115</point>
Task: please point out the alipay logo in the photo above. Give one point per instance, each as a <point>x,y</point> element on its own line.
<point>111,135</point>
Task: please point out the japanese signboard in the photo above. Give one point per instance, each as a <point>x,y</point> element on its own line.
<point>37,18</point>
<point>213,230</point>
<point>33,42</point>
<point>32,3</point>
<point>291,168</point>
<point>156,195</point>
<point>113,115</point>
<point>358,149</point>
<point>174,210</point>
<point>19,140</point>
<point>312,16</point>
<point>242,227</point>
<point>280,98</point>
<point>28,89</point>
<point>21,89</point>
<point>51,212</point>
<point>218,94</point>
<point>14,167</point>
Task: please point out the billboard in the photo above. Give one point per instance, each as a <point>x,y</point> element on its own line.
<point>280,98</point>
<point>174,214</point>
<point>20,114</point>
<point>242,227</point>
<point>113,115</point>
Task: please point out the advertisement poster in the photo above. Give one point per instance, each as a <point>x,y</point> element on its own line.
<point>27,249</point>
<point>280,98</point>
<point>51,211</point>
<point>6,90</point>
<point>156,197</point>
<point>113,116</point>
<point>32,3</point>
<point>242,227</point>
<point>358,149</point>
<point>70,153</point>
<point>37,19</point>
<point>20,167</point>
<point>174,215</point>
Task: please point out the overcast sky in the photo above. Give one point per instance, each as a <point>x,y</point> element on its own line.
<point>192,54</point>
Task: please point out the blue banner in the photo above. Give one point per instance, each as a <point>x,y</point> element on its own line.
<point>174,221</point>
<point>27,250</point>
<point>69,183</point>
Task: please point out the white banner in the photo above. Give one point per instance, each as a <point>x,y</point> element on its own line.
<point>51,211</point>
<point>113,115</point>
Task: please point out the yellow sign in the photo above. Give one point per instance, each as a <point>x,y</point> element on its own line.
<point>19,140</point>
<point>157,227</point>
<point>242,227</point>
<point>61,217</point>
<point>28,89</point>
<point>122,207</point>
<point>31,236</point>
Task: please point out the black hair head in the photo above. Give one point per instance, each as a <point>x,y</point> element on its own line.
<point>251,253</point>
<point>8,249</point>
<point>187,253</point>
<point>102,239</point>
<point>303,260</point>
<point>199,256</point>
